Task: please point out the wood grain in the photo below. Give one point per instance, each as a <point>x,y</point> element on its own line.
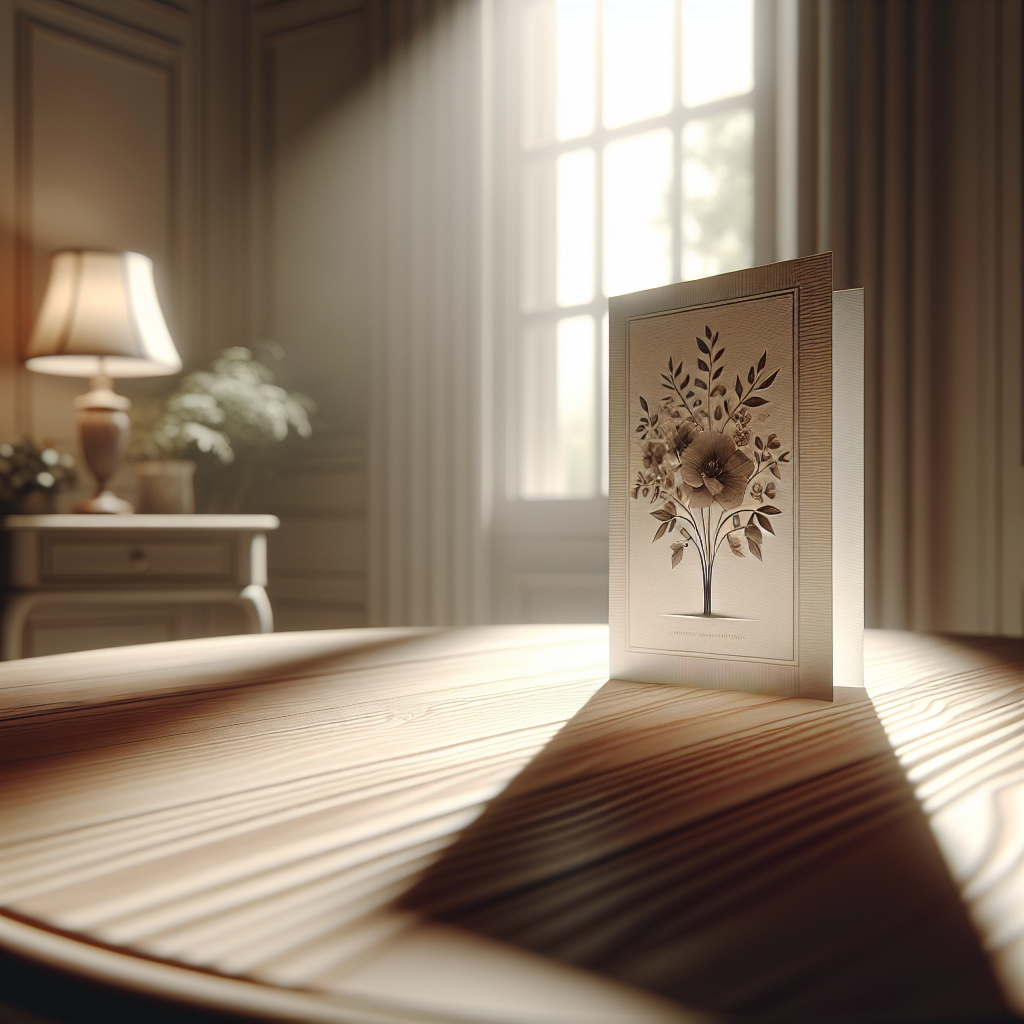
<point>394,824</point>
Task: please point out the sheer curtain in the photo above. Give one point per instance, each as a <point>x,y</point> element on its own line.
<point>912,140</point>
<point>907,165</point>
<point>428,445</point>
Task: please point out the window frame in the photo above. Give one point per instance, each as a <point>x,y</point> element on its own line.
<point>530,522</point>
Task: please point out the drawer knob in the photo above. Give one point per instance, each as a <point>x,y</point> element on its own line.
<point>140,563</point>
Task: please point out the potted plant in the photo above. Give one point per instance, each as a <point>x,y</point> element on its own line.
<point>31,477</point>
<point>229,418</point>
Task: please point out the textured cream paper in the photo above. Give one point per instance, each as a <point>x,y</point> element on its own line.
<point>737,590</point>
<point>753,603</point>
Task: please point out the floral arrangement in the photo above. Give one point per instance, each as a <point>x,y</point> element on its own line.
<point>234,406</point>
<point>704,462</point>
<point>26,471</point>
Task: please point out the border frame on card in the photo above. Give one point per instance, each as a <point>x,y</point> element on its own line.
<point>810,672</point>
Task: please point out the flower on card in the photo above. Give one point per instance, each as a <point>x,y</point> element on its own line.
<point>682,437</point>
<point>654,453</point>
<point>714,469</point>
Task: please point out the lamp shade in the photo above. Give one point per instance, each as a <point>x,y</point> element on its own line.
<point>101,317</point>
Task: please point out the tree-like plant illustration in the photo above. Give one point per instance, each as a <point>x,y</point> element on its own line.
<point>705,463</point>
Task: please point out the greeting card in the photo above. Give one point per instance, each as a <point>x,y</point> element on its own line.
<point>725,536</point>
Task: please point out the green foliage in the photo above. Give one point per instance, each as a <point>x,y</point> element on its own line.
<point>25,469</point>
<point>234,407</point>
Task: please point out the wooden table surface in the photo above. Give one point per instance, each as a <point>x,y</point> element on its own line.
<point>399,825</point>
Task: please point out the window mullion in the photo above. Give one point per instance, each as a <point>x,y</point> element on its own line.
<point>598,229</point>
<point>676,195</point>
<point>598,142</point>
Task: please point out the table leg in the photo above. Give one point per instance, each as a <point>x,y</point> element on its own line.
<point>256,605</point>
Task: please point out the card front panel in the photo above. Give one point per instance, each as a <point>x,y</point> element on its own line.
<point>720,481</point>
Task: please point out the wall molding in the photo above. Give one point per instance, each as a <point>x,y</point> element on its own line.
<point>144,35</point>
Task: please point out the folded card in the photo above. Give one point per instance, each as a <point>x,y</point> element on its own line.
<point>736,482</point>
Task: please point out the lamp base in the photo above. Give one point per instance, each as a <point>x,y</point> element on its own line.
<point>105,503</point>
<point>103,429</point>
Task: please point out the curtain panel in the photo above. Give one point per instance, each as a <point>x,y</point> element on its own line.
<point>909,168</point>
<point>426,437</point>
<point>910,158</point>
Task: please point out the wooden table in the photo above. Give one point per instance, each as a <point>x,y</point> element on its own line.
<point>394,825</point>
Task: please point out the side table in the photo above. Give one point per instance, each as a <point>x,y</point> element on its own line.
<point>75,582</point>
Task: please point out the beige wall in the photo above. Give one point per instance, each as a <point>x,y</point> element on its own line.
<point>225,140</point>
<point>232,141</point>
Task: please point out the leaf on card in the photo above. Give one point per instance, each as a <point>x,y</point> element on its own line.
<point>717,373</point>
<point>699,383</point>
<point>665,513</point>
<point>677,554</point>
<point>707,332</point>
<point>643,404</point>
<point>770,510</point>
<point>701,365</point>
<point>758,444</point>
<point>755,549</point>
<point>678,370</point>
<point>684,381</point>
<point>739,387</point>
<point>775,471</point>
<point>761,362</point>
<point>703,347</point>
<point>718,390</point>
<point>765,523</point>
<point>661,532</point>
<point>754,401</point>
<point>719,354</point>
<point>767,383</point>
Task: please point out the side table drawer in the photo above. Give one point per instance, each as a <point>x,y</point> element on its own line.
<point>88,560</point>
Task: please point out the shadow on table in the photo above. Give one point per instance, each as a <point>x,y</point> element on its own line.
<point>33,993</point>
<point>740,854</point>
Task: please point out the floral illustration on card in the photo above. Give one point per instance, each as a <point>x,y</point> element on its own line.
<point>706,466</point>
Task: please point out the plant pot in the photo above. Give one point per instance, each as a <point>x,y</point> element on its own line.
<point>35,503</point>
<point>166,486</point>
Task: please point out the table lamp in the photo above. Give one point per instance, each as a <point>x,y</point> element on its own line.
<point>101,318</point>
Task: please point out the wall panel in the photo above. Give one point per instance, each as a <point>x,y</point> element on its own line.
<point>310,150</point>
<point>99,146</point>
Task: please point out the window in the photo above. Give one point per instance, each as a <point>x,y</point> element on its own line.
<point>629,128</point>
